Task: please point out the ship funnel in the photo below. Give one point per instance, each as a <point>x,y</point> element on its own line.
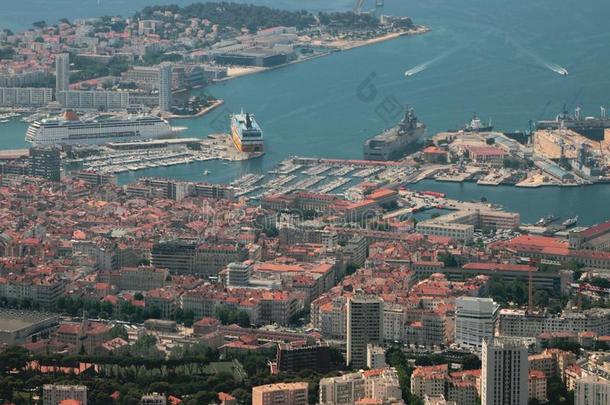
<point>248,121</point>
<point>70,115</point>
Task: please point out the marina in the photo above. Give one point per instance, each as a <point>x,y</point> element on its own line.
<point>121,157</point>
<point>339,177</point>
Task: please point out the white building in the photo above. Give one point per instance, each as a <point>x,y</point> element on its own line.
<point>475,319</point>
<point>239,275</point>
<point>25,96</point>
<point>12,78</point>
<point>378,384</point>
<point>62,73</point>
<point>460,232</point>
<point>514,322</point>
<point>94,100</point>
<point>165,87</point>
<point>394,319</point>
<point>592,390</point>
<point>505,372</point>
<point>53,394</point>
<point>375,357</point>
<point>153,399</point>
<point>364,326</point>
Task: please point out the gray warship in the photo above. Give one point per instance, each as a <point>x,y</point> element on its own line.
<point>393,143</point>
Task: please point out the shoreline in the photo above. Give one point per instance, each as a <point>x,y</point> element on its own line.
<point>199,113</point>
<point>333,48</point>
<point>353,44</point>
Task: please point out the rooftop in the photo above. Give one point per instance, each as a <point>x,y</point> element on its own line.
<point>12,320</point>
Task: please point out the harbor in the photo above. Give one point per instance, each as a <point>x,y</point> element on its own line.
<point>116,158</point>
<point>325,176</point>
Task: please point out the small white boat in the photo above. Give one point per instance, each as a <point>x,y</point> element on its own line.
<point>206,172</point>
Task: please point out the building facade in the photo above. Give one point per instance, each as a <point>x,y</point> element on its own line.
<point>364,326</point>
<point>54,394</point>
<point>62,73</point>
<point>504,378</point>
<point>165,87</point>
<point>98,100</point>
<point>592,390</point>
<point>281,394</point>
<point>45,162</point>
<point>475,319</point>
<point>25,96</point>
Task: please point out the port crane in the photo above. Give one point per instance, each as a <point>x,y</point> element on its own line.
<point>360,4</point>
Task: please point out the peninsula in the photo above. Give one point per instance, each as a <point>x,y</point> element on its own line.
<point>113,63</point>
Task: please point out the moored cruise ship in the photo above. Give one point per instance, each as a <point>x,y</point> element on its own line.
<point>246,134</point>
<point>70,130</point>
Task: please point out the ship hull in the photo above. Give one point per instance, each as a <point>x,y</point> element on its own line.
<point>246,147</point>
<point>592,132</point>
<point>393,148</point>
<point>96,133</point>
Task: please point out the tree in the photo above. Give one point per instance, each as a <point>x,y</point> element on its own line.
<point>228,315</point>
<point>396,358</point>
<point>448,259</point>
<point>471,362</point>
<point>600,282</point>
<point>39,24</point>
<point>118,331</point>
<point>189,318</point>
<point>7,52</point>
<point>541,298</point>
<point>271,231</point>
<point>107,84</point>
<point>13,358</point>
<point>242,396</point>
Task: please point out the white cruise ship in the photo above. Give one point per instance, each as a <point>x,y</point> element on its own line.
<point>70,130</point>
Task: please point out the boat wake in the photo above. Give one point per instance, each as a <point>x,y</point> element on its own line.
<point>557,69</point>
<point>539,60</point>
<point>415,70</point>
<point>421,67</point>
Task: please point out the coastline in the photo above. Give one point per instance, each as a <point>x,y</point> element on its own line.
<point>346,45</point>
<point>200,113</point>
<point>334,46</point>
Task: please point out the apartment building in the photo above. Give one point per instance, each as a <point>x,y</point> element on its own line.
<point>281,394</point>
<point>475,319</point>
<point>54,394</point>
<point>378,384</point>
<point>364,326</point>
<point>25,96</point>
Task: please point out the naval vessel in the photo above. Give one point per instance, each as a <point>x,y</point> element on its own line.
<point>393,143</point>
<point>589,127</point>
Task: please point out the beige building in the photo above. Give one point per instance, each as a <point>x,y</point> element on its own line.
<point>592,390</point>
<point>379,385</point>
<point>439,400</point>
<point>54,394</point>
<point>429,380</point>
<point>281,394</point>
<point>436,227</point>
<point>536,385</point>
